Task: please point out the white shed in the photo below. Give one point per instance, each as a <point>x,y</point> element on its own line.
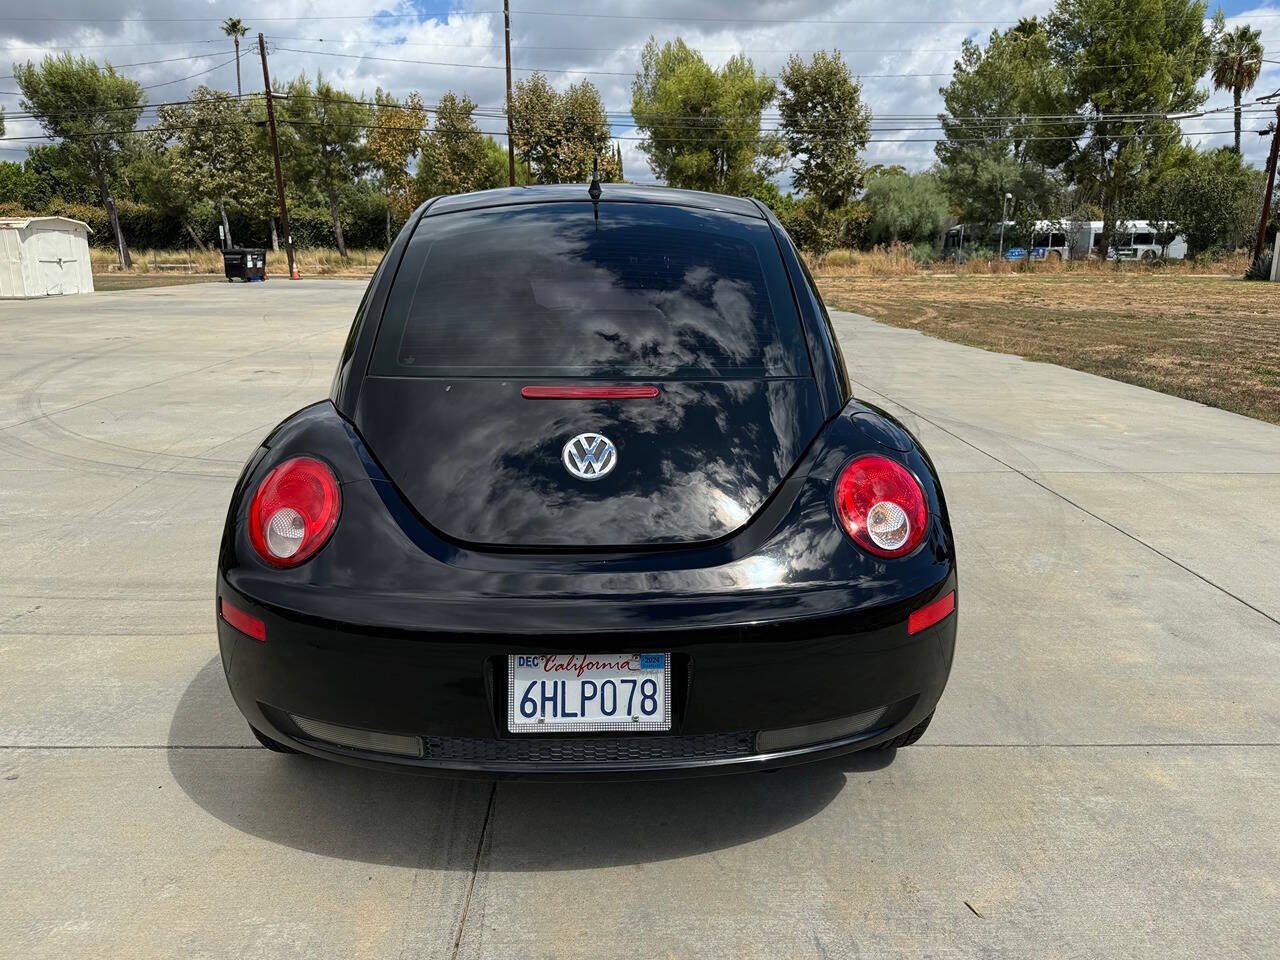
<point>44,257</point>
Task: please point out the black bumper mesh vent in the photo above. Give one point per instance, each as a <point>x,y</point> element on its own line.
<point>590,750</point>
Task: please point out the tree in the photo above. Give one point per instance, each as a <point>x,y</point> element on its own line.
<point>156,181</point>
<point>234,28</point>
<point>559,134</point>
<point>825,126</point>
<point>215,156</point>
<point>495,167</point>
<point>1235,63</point>
<point>16,183</point>
<point>1131,63</point>
<point>995,143</point>
<point>1213,198</point>
<point>455,157</point>
<point>57,175</point>
<point>702,126</point>
<point>323,141</point>
<point>93,110</point>
<point>397,133</point>
<point>260,192</point>
<point>904,206</point>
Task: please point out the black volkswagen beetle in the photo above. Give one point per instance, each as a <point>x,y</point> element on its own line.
<point>590,497</point>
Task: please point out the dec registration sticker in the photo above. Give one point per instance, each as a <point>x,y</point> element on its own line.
<point>549,693</point>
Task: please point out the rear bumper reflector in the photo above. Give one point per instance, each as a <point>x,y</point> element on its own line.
<point>927,616</point>
<point>358,739</point>
<point>771,741</point>
<point>247,624</point>
<point>588,393</point>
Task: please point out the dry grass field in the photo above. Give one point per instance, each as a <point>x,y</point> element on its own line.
<point>311,261</point>
<point>896,260</point>
<point>1214,339</point>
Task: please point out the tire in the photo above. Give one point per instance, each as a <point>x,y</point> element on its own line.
<point>902,739</point>
<point>273,745</point>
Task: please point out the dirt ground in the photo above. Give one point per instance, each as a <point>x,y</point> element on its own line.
<point>1211,339</point>
<point>105,282</point>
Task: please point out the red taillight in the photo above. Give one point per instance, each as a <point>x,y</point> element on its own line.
<point>294,511</point>
<point>588,393</point>
<point>928,615</point>
<point>881,506</point>
<point>244,622</point>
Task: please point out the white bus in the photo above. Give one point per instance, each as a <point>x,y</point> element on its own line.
<point>1076,240</point>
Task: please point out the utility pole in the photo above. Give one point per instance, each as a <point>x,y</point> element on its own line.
<point>1261,239</point>
<point>1004,215</point>
<point>511,143</point>
<point>275,152</point>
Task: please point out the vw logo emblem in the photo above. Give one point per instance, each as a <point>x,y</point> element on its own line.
<point>589,456</point>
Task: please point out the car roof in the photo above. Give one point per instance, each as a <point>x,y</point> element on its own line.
<point>609,193</point>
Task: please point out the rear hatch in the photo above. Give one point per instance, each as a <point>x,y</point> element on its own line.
<point>692,305</point>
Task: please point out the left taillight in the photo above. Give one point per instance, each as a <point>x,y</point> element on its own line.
<point>294,511</point>
<point>881,506</point>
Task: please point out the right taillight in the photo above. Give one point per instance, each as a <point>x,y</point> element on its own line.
<point>881,506</point>
<point>294,511</point>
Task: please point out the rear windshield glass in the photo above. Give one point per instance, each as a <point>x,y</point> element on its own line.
<point>547,290</point>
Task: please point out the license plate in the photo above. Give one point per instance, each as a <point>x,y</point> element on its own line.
<point>558,692</point>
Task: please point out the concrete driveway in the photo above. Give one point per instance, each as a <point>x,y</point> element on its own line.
<point>1102,779</point>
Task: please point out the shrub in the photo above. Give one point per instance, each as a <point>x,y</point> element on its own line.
<point>923,254</point>
<point>1259,269</point>
<point>816,229</point>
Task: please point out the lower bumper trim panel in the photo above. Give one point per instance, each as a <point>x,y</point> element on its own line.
<point>590,750</point>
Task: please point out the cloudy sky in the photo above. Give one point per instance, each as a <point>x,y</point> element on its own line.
<point>903,52</point>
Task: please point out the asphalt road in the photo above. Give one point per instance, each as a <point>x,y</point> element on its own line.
<point>1102,779</point>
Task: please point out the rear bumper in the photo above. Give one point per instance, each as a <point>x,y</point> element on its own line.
<point>739,693</point>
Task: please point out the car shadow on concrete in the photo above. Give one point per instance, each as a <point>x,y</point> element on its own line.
<point>398,818</point>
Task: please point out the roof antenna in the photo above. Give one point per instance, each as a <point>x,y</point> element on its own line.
<point>594,190</point>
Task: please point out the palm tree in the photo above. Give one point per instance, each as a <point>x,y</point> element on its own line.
<point>1234,64</point>
<point>234,28</point>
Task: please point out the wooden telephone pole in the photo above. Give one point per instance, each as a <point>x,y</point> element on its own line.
<point>275,152</point>
<point>1261,239</point>
<point>511,144</point>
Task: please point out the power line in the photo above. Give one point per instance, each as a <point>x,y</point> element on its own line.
<point>764,137</point>
<point>487,66</point>
<point>624,49</point>
<point>121,66</point>
<point>577,14</point>
<point>105,46</point>
<point>169,83</point>
<point>154,86</point>
<point>441,63</point>
<point>700,121</point>
<point>682,18</point>
<point>142,108</point>
<point>609,73</point>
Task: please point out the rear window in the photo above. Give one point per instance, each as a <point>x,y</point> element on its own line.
<point>547,290</point>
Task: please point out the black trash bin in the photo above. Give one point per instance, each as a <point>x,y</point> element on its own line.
<point>245,263</point>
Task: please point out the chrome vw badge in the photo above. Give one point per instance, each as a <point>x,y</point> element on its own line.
<point>589,456</point>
